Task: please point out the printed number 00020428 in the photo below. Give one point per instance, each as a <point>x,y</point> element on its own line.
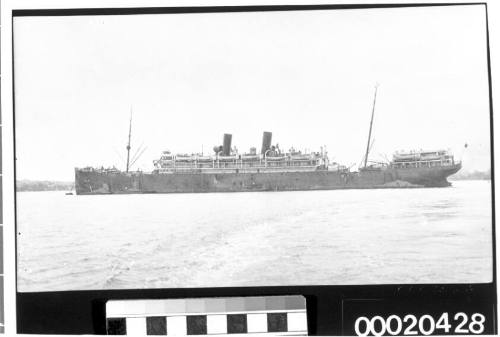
<point>424,325</point>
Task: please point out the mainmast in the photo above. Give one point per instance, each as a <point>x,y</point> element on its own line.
<point>371,125</point>
<point>128,144</point>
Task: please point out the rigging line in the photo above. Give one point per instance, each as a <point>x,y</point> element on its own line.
<point>136,152</point>
<point>371,145</point>
<point>119,155</point>
<point>383,155</point>
<point>139,156</point>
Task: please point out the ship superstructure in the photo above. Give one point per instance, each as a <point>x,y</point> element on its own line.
<point>225,159</point>
<point>418,159</point>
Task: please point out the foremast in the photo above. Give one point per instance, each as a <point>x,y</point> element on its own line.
<point>128,144</point>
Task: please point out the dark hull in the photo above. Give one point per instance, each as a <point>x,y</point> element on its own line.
<point>98,182</point>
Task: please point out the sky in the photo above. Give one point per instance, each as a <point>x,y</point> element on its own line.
<point>306,76</point>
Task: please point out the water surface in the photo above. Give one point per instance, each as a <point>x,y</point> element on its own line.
<point>435,235</point>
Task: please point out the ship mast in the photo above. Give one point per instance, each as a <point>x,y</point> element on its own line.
<point>371,125</point>
<point>128,144</point>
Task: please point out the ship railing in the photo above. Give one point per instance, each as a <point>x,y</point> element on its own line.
<point>277,158</point>
<point>239,161</point>
<point>237,169</point>
<point>250,157</point>
<point>423,163</point>
<point>99,169</point>
<point>301,157</point>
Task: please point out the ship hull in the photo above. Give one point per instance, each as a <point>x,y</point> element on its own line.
<point>99,182</point>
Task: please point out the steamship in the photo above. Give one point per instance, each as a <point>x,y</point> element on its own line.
<point>271,169</point>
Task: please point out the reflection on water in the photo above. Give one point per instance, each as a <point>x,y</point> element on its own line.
<point>438,235</point>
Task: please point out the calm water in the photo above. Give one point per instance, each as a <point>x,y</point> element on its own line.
<point>248,239</point>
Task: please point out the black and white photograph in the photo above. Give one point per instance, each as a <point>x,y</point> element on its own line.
<point>253,149</point>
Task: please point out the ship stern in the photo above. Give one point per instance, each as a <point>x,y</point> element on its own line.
<point>429,176</point>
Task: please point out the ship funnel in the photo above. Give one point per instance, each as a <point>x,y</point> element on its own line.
<point>266,141</point>
<point>226,147</point>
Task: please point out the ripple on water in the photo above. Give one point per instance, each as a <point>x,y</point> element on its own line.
<point>255,239</point>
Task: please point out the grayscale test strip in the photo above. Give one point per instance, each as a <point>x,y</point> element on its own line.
<point>273,315</point>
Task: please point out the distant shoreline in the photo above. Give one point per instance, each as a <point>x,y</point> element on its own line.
<point>43,185</point>
<point>468,179</point>
<point>475,175</point>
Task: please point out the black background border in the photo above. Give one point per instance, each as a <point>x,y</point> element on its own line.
<point>82,312</point>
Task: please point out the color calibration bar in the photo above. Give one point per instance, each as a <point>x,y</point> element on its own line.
<point>273,315</point>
